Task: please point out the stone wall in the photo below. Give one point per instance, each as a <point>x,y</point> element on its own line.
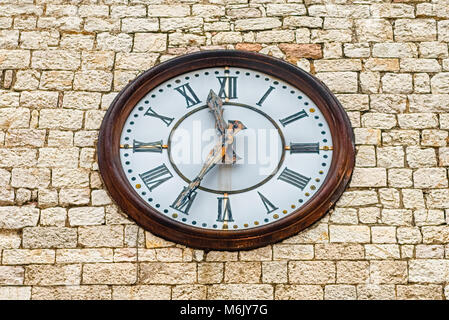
<point>63,61</point>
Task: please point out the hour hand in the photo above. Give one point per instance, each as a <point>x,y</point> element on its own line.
<point>216,107</point>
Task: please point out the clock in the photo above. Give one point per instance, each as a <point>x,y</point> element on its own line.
<point>225,150</point>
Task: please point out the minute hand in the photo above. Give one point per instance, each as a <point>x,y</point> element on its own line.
<point>215,155</point>
<point>216,107</point>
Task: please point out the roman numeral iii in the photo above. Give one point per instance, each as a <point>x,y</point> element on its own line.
<point>224,210</point>
<point>151,113</point>
<point>155,177</point>
<point>186,203</point>
<point>294,178</point>
<point>267,203</point>
<point>189,95</point>
<point>155,146</point>
<point>304,147</point>
<point>228,87</point>
<point>301,114</point>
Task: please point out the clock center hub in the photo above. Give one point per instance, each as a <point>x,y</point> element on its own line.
<point>258,150</point>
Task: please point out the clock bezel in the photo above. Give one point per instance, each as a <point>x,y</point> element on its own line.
<point>108,152</point>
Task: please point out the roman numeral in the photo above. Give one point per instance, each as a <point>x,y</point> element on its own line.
<point>267,203</point>
<point>155,177</point>
<point>224,210</point>
<point>228,87</point>
<point>183,203</point>
<point>155,146</point>
<point>167,120</point>
<point>294,178</point>
<point>189,95</point>
<point>305,147</point>
<point>301,114</point>
<point>271,88</point>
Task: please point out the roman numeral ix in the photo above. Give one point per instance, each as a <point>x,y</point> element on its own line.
<point>189,95</point>
<point>155,177</point>
<point>294,178</point>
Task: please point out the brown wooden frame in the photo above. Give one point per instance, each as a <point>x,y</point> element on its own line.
<point>129,201</point>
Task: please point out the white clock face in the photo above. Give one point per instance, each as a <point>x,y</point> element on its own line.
<point>274,166</point>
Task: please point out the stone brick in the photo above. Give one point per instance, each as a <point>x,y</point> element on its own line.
<point>141,292</point>
<point>419,292</point>
<point>11,275</point>
<point>46,275</point>
<point>210,272</point>
<point>356,234</point>
<point>376,292</point>
<point>311,272</point>
<point>167,273</point>
<point>340,292</point>
<point>14,59</point>
<point>299,292</point>
<point>339,251</point>
<point>56,59</point>
<point>14,118</point>
<point>110,273</point>
<point>53,217</point>
<point>26,256</point>
<point>274,272</point>
<point>101,236</point>
<point>18,217</point>
<point>376,30</point>
<point>58,157</point>
<point>240,292</point>
<point>430,271</point>
<point>72,292</point>
<point>242,272</point>
<point>292,252</point>
<point>61,119</point>
<point>30,178</point>
<point>15,293</point>
<point>339,82</point>
<point>369,177</point>
<point>49,237</point>
<point>415,30</point>
<point>257,24</point>
<point>352,272</point>
<point>84,216</point>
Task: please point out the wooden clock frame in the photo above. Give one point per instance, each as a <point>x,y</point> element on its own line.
<point>128,200</point>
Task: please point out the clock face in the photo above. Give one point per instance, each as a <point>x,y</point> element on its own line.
<point>282,157</point>
<point>225,150</point>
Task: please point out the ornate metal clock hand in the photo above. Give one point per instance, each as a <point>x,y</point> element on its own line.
<point>215,156</point>
<point>215,105</point>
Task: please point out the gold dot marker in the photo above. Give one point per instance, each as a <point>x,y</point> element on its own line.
<point>321,171</point>
<point>312,110</point>
<point>275,216</point>
<point>307,194</point>
<point>293,206</point>
<point>287,147</point>
<point>245,225</point>
<point>138,186</point>
<point>164,146</point>
<point>225,226</point>
<point>317,179</point>
<point>256,223</point>
<point>174,215</point>
<point>235,226</point>
<point>284,211</point>
<point>326,148</point>
<point>312,187</point>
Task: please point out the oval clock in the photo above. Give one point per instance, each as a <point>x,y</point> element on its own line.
<point>225,150</point>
